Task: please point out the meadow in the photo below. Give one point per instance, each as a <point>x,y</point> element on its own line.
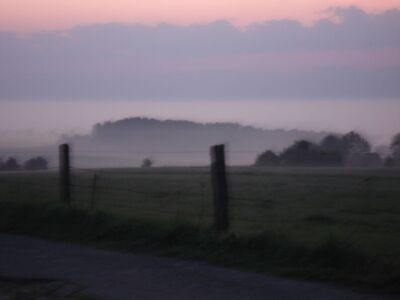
<point>353,213</point>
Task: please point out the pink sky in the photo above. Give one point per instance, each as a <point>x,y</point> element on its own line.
<point>29,16</point>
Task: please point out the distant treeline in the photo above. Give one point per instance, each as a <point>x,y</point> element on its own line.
<point>144,134</point>
<point>35,163</point>
<point>351,149</point>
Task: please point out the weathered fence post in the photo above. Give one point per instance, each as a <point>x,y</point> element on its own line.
<point>220,188</point>
<point>93,196</point>
<point>64,174</point>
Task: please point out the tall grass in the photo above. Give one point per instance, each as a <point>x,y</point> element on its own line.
<point>331,259</point>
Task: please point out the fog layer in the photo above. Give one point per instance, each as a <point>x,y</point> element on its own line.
<point>34,123</point>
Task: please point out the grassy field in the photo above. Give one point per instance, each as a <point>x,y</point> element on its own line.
<point>354,210</point>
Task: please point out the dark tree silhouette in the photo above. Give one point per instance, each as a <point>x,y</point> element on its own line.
<point>307,153</point>
<point>332,149</point>
<point>36,163</point>
<point>395,145</point>
<point>332,143</point>
<point>268,158</point>
<point>300,153</point>
<point>389,161</point>
<point>355,143</point>
<point>11,164</point>
<point>147,163</point>
<point>395,149</point>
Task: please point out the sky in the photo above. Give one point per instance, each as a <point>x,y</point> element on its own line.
<point>294,60</point>
<point>28,16</point>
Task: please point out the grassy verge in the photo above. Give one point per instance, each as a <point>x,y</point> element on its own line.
<point>330,260</point>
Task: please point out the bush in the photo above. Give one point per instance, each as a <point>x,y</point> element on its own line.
<point>147,163</point>
<point>268,158</point>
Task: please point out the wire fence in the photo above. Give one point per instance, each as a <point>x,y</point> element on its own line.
<point>159,194</point>
<point>360,205</point>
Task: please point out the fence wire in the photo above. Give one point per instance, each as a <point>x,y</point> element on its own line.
<point>360,205</point>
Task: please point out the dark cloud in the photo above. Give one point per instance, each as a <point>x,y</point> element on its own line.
<point>137,61</point>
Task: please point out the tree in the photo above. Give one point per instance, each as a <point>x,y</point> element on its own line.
<point>395,146</point>
<point>307,153</point>
<point>300,153</point>
<point>11,164</point>
<point>267,158</point>
<point>395,150</point>
<point>147,163</point>
<point>355,143</point>
<point>389,161</point>
<point>332,150</point>
<point>36,163</point>
<point>332,143</point>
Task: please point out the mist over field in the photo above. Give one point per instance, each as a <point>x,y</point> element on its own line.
<point>262,136</point>
<point>338,73</point>
<point>37,123</point>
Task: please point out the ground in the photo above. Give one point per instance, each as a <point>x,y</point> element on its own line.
<point>65,271</point>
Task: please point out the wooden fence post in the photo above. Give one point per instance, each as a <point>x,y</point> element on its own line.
<point>220,188</point>
<point>64,174</point>
<point>93,196</point>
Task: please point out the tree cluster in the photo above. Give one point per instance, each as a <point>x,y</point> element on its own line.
<point>394,158</point>
<point>351,149</point>
<point>32,164</point>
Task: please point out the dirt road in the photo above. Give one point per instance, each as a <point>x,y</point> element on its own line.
<point>120,276</point>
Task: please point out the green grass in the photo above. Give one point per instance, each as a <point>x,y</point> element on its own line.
<point>327,224</point>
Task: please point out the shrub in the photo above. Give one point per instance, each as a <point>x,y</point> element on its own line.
<point>268,158</point>
<point>147,163</point>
